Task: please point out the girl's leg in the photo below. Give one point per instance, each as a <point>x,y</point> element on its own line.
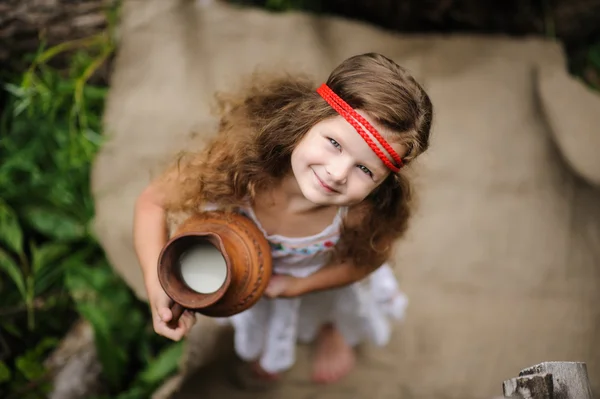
<point>334,358</point>
<point>250,329</point>
<point>280,339</point>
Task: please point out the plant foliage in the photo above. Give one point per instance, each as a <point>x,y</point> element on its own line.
<point>53,271</point>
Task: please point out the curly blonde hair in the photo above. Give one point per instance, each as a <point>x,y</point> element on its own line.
<point>261,125</point>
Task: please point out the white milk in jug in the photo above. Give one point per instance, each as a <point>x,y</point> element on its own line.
<point>203,268</point>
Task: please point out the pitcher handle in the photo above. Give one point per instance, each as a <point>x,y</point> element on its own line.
<point>177,311</point>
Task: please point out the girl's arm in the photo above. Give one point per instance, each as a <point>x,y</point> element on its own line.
<point>331,276</point>
<point>334,275</point>
<point>149,232</point>
<point>328,277</point>
<point>150,236</point>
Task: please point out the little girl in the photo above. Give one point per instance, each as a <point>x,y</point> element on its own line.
<point>320,173</point>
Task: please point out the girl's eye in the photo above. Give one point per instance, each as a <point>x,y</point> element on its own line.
<point>366,170</point>
<point>334,143</point>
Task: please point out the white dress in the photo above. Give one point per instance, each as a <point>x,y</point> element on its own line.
<point>269,330</point>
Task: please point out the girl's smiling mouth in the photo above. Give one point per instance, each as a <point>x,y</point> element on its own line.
<point>325,186</point>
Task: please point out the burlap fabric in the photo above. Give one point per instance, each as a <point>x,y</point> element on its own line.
<point>502,262</point>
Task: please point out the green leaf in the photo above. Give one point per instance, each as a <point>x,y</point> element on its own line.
<point>94,93</point>
<point>47,255</point>
<point>62,195</point>
<point>30,364</point>
<point>111,354</point>
<point>93,136</point>
<point>8,265</point>
<point>99,298</point>
<point>134,393</point>
<point>54,224</point>
<point>11,328</point>
<point>85,282</point>
<point>5,373</point>
<point>164,365</point>
<point>22,106</point>
<point>48,264</point>
<point>10,231</point>
<point>15,90</point>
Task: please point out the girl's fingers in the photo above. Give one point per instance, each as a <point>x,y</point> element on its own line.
<point>184,325</point>
<point>277,285</point>
<point>168,332</point>
<point>189,319</point>
<point>164,313</point>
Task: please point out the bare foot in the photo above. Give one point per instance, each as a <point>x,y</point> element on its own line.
<point>261,374</point>
<point>334,358</point>
<point>250,376</point>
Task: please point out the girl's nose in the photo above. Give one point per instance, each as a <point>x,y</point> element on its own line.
<point>339,170</point>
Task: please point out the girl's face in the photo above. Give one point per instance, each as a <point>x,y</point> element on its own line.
<point>333,165</point>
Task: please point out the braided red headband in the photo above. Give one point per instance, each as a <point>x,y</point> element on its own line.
<point>356,120</point>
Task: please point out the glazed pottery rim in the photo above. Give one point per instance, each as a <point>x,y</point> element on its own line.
<point>182,296</point>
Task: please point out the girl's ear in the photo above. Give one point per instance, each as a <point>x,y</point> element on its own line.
<point>572,111</point>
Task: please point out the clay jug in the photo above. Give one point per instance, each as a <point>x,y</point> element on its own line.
<point>216,263</point>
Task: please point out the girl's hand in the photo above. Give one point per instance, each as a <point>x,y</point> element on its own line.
<point>160,305</point>
<point>282,285</point>
<point>327,278</point>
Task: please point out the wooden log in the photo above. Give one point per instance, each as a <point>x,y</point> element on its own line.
<point>74,365</point>
<point>537,386</point>
<point>550,380</point>
<point>24,24</point>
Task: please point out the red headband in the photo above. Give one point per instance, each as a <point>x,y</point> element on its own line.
<point>354,118</point>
